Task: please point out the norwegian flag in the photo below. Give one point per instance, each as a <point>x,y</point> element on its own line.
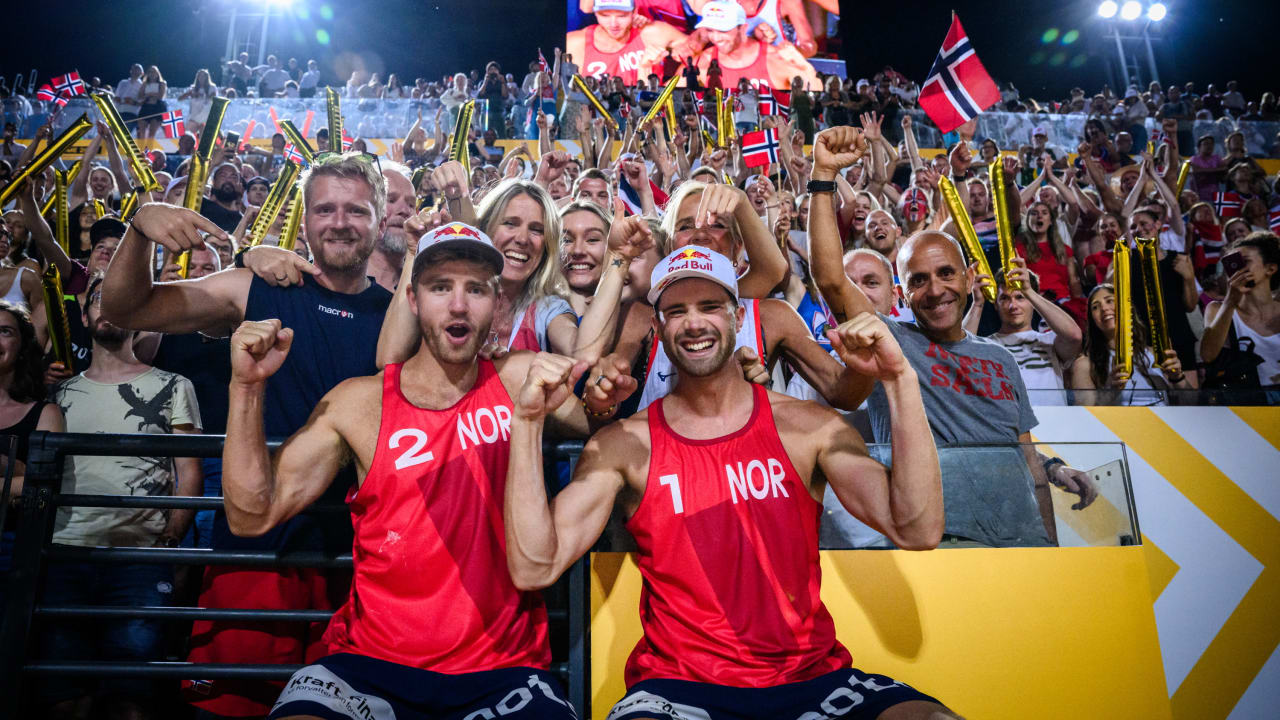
<point>1273,218</point>
<point>347,140</point>
<point>173,124</point>
<point>777,102</point>
<point>958,86</point>
<point>1158,138</point>
<point>699,103</point>
<point>70,84</point>
<point>760,147</point>
<point>46,93</point>
<point>291,154</point>
<point>542,62</point>
<point>1227,204</point>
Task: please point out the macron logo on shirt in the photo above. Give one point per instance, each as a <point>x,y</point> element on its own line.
<point>344,314</point>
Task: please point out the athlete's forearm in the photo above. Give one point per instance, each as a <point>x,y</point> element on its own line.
<point>915,487</point>
<point>400,335</point>
<point>529,524</point>
<point>127,288</point>
<point>248,478</point>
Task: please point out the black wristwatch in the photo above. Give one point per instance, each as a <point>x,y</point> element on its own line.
<point>239,256</point>
<point>1049,465</point>
<point>821,186</point>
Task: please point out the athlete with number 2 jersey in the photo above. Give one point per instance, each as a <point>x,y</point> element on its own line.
<point>434,626</point>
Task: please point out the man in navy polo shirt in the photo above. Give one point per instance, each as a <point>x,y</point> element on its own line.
<point>336,315</point>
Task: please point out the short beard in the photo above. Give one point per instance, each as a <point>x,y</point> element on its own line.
<point>109,336</point>
<point>225,194</point>
<point>358,259</point>
<point>450,355</point>
<point>393,242</point>
<point>701,368</point>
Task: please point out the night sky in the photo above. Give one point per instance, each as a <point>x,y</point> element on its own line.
<point>1201,41</point>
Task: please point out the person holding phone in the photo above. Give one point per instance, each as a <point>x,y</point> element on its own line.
<point>1247,321</point>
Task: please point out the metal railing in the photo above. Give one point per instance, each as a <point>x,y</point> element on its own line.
<point>32,550</point>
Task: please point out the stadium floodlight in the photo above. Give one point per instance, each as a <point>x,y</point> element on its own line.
<point>1130,10</point>
<point>280,3</point>
<point>1157,12</point>
<point>1108,9</point>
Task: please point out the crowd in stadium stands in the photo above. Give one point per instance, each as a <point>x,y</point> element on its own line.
<point>850,218</point>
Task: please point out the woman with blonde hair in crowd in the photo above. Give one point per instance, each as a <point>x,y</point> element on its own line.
<point>533,311</point>
<point>201,94</point>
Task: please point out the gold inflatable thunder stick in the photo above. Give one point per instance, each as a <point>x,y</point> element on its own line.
<point>51,153</point>
<point>968,236</point>
<point>271,207</point>
<point>594,101</point>
<point>1004,222</point>
<point>138,162</point>
<point>1157,323</point>
<point>1122,276</point>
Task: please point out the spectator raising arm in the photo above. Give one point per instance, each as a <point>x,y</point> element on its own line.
<point>131,300</point>
<point>833,149</point>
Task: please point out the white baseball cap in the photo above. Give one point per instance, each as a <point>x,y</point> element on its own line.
<point>722,15</point>
<point>461,237</point>
<point>692,261</point>
<point>1040,130</point>
<point>623,5</point>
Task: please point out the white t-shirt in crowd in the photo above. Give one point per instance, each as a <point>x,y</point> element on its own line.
<point>1039,364</point>
<point>129,95</point>
<point>273,80</point>
<point>310,79</point>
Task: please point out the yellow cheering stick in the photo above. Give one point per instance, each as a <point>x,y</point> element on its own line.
<point>271,207</point>
<point>1004,223</point>
<point>198,169</point>
<point>1157,323</point>
<point>300,143</point>
<point>47,157</point>
<point>292,219</point>
<point>1183,173</point>
<point>669,108</point>
<point>128,205</point>
<point>663,97</point>
<point>62,216</point>
<point>458,142</point>
<point>71,177</point>
<point>333,110</point>
<point>1122,273</point>
<point>721,140</point>
<point>56,314</point>
<point>137,161</point>
<point>212,127</point>
<point>968,236</point>
<point>598,106</point>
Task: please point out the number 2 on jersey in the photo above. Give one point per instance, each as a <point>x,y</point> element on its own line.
<point>410,457</point>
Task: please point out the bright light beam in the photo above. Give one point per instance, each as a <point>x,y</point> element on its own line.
<point>1108,9</point>
<point>1157,12</point>
<point>1130,10</point>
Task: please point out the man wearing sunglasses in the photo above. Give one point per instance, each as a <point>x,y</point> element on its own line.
<point>336,313</point>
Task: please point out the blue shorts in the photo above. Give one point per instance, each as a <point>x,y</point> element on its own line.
<point>355,687</point>
<point>845,694</point>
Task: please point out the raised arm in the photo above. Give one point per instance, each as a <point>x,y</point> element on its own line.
<point>545,538</point>
<point>833,149</point>
<point>259,491</point>
<point>1068,338</point>
<point>768,266</point>
<point>629,238</point>
<point>905,502</point>
<point>131,300</point>
<point>841,386</point>
<point>42,235</point>
<point>913,150</point>
<point>1176,224</point>
<point>79,190</point>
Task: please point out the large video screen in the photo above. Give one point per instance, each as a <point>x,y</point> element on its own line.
<point>766,42</point>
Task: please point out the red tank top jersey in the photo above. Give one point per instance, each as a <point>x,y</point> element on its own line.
<point>728,541</point>
<point>755,73</point>
<point>431,589</point>
<point>625,62</point>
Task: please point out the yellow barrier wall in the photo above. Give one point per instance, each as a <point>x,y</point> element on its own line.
<point>1184,626</point>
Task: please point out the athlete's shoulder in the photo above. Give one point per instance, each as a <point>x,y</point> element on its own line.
<point>358,389</point>
<point>802,417</point>
<point>624,441</point>
<point>658,30</point>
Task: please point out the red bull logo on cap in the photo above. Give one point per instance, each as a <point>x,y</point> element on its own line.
<point>458,229</point>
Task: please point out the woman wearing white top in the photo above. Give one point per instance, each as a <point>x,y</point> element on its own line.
<point>1097,379</point>
<point>154,89</point>
<point>1250,309</point>
<point>201,94</point>
<point>453,98</point>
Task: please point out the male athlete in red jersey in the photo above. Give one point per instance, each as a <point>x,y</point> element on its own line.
<point>434,626</point>
<point>722,482</point>
<point>618,47</point>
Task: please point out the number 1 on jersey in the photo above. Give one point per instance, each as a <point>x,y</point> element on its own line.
<point>673,481</point>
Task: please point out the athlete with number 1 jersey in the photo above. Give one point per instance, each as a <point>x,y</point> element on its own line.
<point>434,626</point>
<point>722,484</point>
